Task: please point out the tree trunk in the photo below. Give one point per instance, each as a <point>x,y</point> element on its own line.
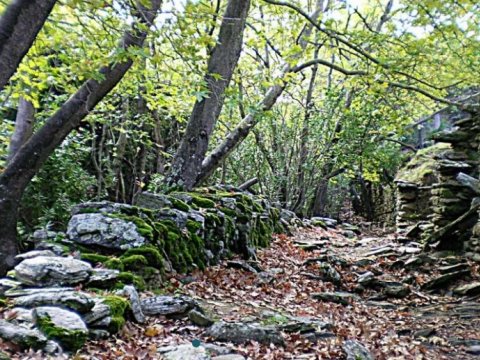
<point>33,154</point>
<point>19,26</point>
<point>241,131</point>
<point>221,65</point>
<point>23,127</point>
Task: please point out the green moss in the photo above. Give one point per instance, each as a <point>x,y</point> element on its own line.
<point>133,262</point>
<point>114,263</point>
<point>126,277</point>
<point>88,210</point>
<point>69,339</point>
<point>202,202</point>
<point>3,302</point>
<point>193,226</point>
<point>118,306</point>
<point>151,253</point>
<point>94,258</point>
<point>179,204</point>
<point>228,211</point>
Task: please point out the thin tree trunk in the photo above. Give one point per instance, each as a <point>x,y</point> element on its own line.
<point>23,127</point>
<point>188,159</point>
<point>19,26</point>
<point>33,154</point>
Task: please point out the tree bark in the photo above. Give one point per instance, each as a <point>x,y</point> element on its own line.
<point>33,154</point>
<point>241,131</point>
<point>23,127</point>
<point>19,26</point>
<point>221,65</point>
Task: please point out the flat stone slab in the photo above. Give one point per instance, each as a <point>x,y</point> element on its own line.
<point>75,300</point>
<point>239,333</point>
<point>167,305</point>
<point>445,280</point>
<point>338,297</point>
<point>52,271</point>
<point>471,289</point>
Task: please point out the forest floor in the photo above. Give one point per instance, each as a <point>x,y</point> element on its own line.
<point>416,325</point>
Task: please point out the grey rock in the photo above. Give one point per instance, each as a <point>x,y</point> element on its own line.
<point>445,280</point>
<point>199,318</point>
<point>338,297</point>
<point>102,323</point>
<point>98,334</point>
<point>167,305</point>
<point>471,289</point>
<point>42,234</point>
<point>75,300</point>
<point>380,251</point>
<point>329,273</point>
<point>305,325</point>
<point>229,357</point>
<point>356,351</point>
<point>8,284</point>
<point>70,325</point>
<point>22,336</point>
<point>34,253</point>
<point>95,229</point>
<point>135,303</point>
<point>52,348</point>
<point>101,207</point>
<point>98,312</point>
<point>184,352</point>
<point>239,333</point>
<point>19,316</point>
<point>396,290</point>
<point>473,350</point>
<point>453,268</point>
<point>332,223</point>
<point>424,333</point>
<point>216,350</point>
<point>103,278</point>
<point>56,271</point>
<point>367,278</point>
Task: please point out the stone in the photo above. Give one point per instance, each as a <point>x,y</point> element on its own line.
<point>380,251</point>
<point>235,264</point>
<point>98,334</point>
<point>93,229</point>
<point>239,333</point>
<point>331,223</point>
<point>229,357</point>
<point>52,271</point>
<point>356,351</point>
<point>167,305</point>
<point>8,284</point>
<point>471,289</point>
<point>22,336</point>
<point>63,326</point>
<point>366,279</point>
<point>445,280</point>
<point>135,303</point>
<point>395,290</point>
<point>424,333</point>
<point>338,297</point>
<point>19,316</point>
<point>75,300</point>
<point>200,319</point>
<point>329,273</point>
<point>453,268</point>
<point>34,253</point>
<point>184,352</point>
<point>304,325</point>
<point>43,234</point>
<point>102,278</point>
<point>473,350</point>
<point>98,312</point>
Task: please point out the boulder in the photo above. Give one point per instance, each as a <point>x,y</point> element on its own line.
<point>101,230</point>
<point>167,305</point>
<point>330,274</point>
<point>52,271</point>
<point>239,333</point>
<point>98,312</point>
<point>63,326</point>
<point>75,300</point>
<point>356,351</point>
<point>8,284</point>
<point>34,253</point>
<point>22,336</point>
<point>103,278</point>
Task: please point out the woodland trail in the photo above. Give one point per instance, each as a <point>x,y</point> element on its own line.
<point>381,302</point>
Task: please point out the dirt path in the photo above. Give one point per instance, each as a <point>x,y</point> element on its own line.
<point>382,302</point>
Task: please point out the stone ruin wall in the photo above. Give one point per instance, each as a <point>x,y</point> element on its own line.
<point>426,206</point>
